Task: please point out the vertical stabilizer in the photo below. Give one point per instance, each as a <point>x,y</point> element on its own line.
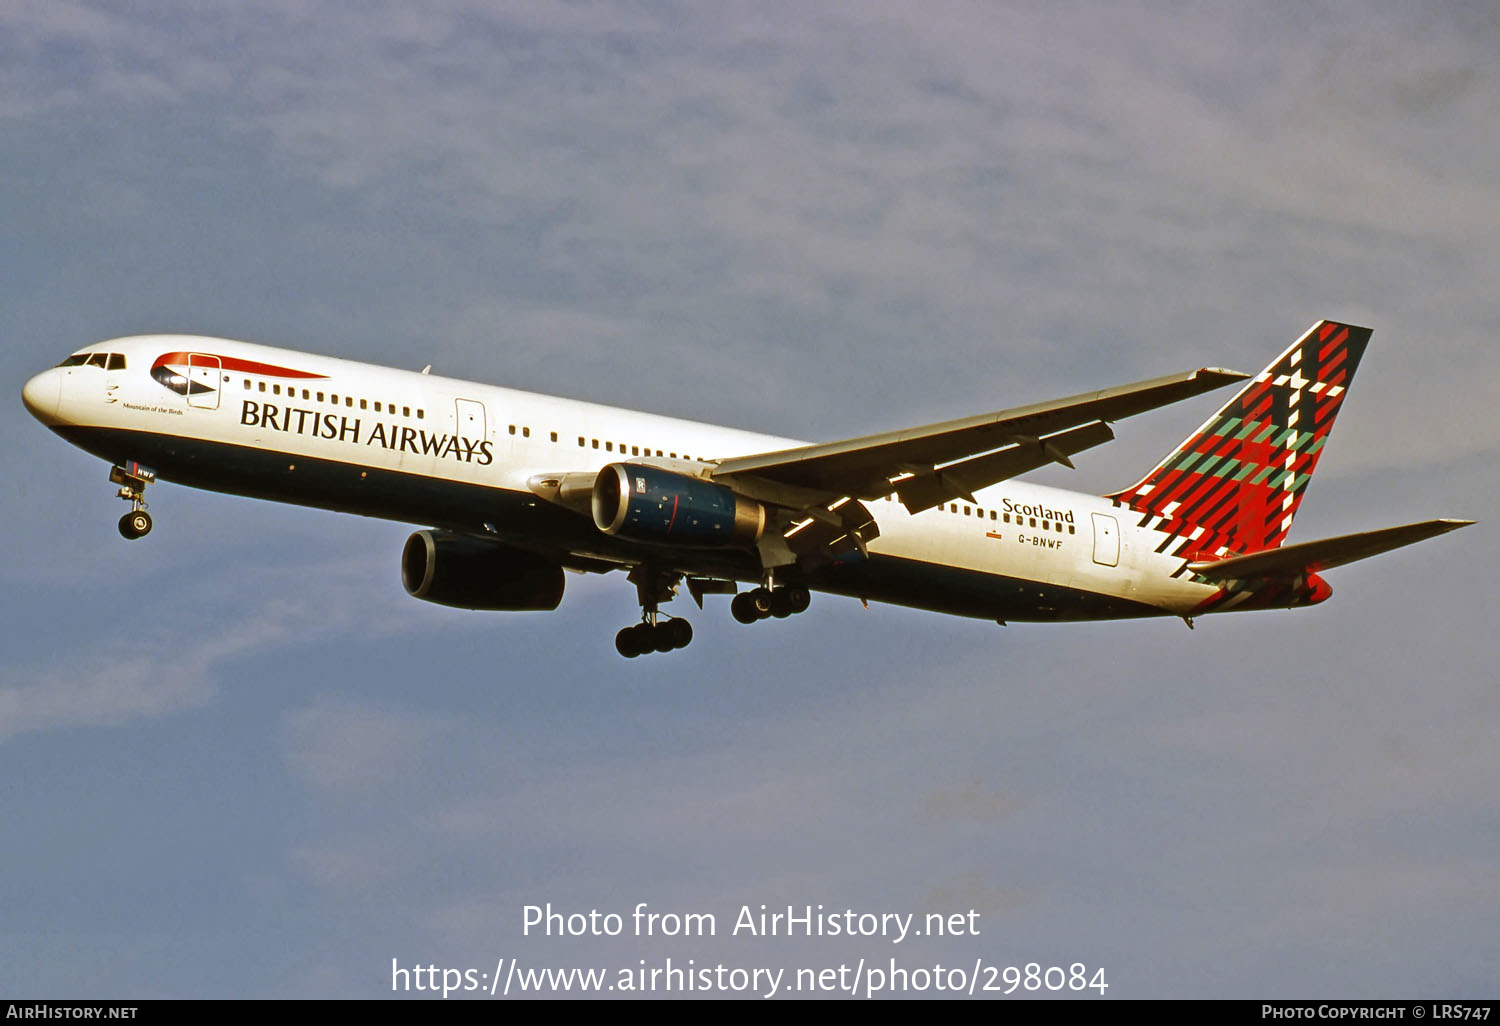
<point>1234,485</point>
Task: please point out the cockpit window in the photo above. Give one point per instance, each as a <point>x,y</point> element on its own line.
<point>116,361</point>
<point>98,359</point>
<point>76,360</point>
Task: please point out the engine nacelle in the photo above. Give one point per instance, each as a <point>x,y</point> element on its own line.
<point>653,505</point>
<point>472,573</point>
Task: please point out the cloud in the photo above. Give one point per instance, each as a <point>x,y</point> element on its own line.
<point>109,691</point>
<point>113,679</point>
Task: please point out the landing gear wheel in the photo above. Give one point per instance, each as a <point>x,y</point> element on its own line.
<point>643,638</point>
<point>661,637</point>
<point>781,606</point>
<point>136,524</point>
<point>743,609</point>
<point>761,602</point>
<point>625,643</point>
<point>798,599</point>
<point>679,632</point>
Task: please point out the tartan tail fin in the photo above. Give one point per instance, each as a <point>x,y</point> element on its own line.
<point>1234,485</point>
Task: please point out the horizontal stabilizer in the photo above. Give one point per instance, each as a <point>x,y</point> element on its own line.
<point>1313,556</point>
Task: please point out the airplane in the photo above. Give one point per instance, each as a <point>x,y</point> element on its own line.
<point>513,488</point>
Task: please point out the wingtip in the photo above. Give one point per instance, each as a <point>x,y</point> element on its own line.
<point>1223,373</point>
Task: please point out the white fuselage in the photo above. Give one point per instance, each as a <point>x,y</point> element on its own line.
<point>432,450</point>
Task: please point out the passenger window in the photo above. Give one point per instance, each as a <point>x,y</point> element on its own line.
<point>364,404</point>
<point>609,446</point>
<point>406,411</point>
<point>512,429</point>
<point>554,434</point>
<point>1033,521</point>
<point>377,405</point>
<point>1070,529</point>
<point>247,384</point>
<point>320,397</point>
<point>116,361</point>
<point>306,393</point>
<point>420,414</point>
<point>992,514</point>
<point>635,450</point>
<point>262,386</point>
<point>526,432</point>
<point>594,442</point>
<point>276,389</point>
<point>580,441</point>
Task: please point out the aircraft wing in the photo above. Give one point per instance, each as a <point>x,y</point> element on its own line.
<point>928,465</point>
<point>1313,556</point>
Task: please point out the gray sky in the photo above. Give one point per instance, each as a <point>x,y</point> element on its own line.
<point>240,761</point>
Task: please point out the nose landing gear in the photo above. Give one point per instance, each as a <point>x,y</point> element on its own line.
<point>132,479</point>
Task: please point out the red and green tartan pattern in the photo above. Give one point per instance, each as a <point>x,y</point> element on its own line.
<point>1234,486</point>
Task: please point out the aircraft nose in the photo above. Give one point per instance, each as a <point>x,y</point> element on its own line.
<point>41,395</point>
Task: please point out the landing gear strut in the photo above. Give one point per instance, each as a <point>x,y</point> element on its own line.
<point>656,632</point>
<point>132,479</point>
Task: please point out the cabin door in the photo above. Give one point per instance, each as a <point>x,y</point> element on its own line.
<point>1106,540</point>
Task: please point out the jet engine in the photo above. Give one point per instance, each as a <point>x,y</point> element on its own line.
<point>473,573</point>
<point>649,504</point>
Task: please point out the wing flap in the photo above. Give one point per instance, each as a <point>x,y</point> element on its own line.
<point>960,480</point>
<point>1314,556</point>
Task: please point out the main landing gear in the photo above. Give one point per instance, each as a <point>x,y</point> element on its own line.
<point>656,632</point>
<point>653,635</point>
<point>132,479</point>
<point>760,603</point>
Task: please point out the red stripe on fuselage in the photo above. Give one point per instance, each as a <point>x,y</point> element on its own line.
<point>231,363</point>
